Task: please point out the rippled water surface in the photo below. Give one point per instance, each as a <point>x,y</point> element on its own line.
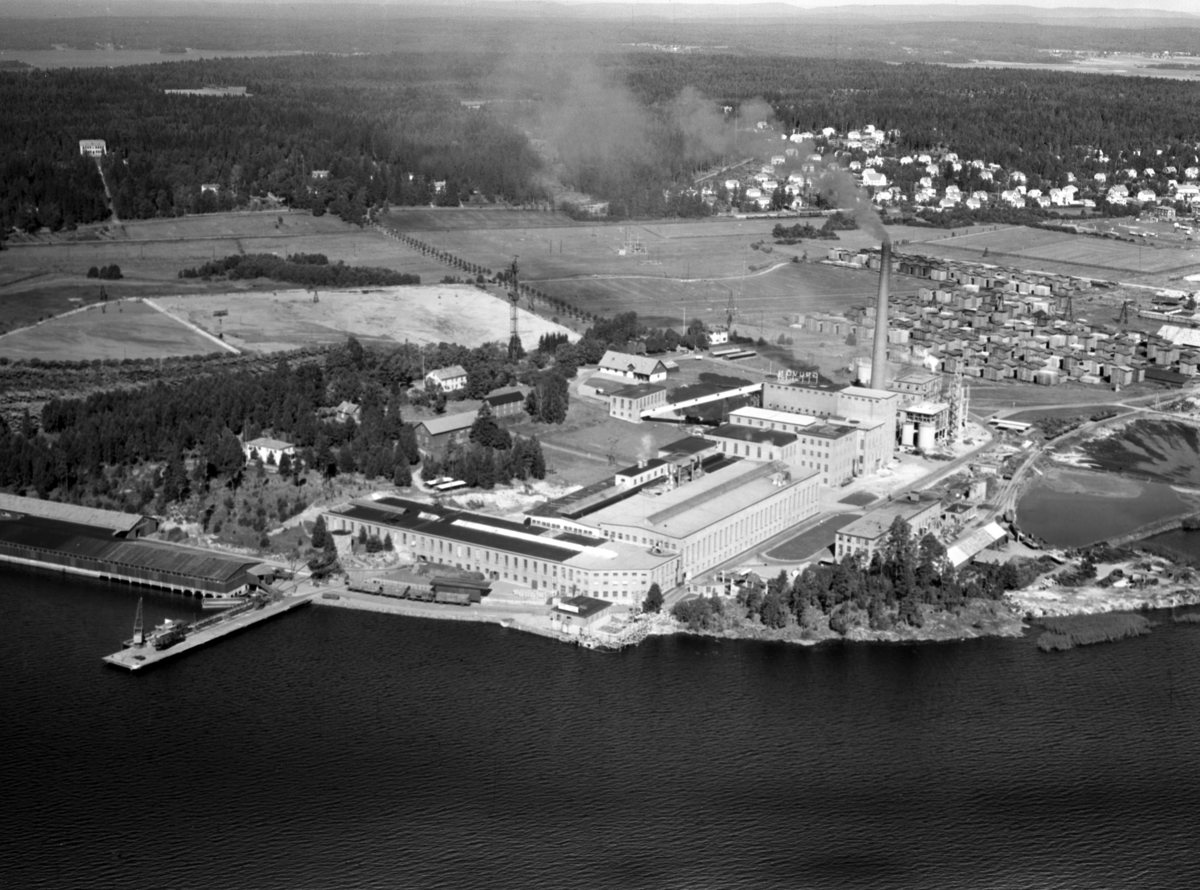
<point>339,749</point>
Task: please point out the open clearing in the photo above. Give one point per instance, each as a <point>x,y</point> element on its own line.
<point>1063,252</point>
<point>286,319</point>
<point>128,329</point>
<point>697,268</point>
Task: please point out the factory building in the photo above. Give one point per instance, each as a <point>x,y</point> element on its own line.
<point>925,425</point>
<point>754,443</point>
<point>870,412</point>
<point>628,403</point>
<point>869,533</point>
<point>709,507</point>
<point>829,449</point>
<point>560,564</point>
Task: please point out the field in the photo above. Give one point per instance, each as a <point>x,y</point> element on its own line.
<point>285,319</point>
<point>42,276</point>
<point>1070,254</point>
<point>697,268</point>
<point>122,330</point>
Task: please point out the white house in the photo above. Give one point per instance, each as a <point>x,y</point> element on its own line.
<point>449,379</point>
<point>269,451</point>
<point>874,179</point>
<point>93,148</point>
<point>641,368</point>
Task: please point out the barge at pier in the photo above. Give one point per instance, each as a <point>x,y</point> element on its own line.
<point>144,651</point>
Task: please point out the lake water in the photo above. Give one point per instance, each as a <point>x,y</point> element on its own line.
<point>1137,465</point>
<point>341,749</point>
<point>1072,508</point>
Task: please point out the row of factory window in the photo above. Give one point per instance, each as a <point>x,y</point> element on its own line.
<point>486,558</point>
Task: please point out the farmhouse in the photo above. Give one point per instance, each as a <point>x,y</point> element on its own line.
<point>448,379</point>
<point>633,367</point>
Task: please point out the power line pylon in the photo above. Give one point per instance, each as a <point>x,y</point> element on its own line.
<point>515,350</point>
<point>1123,318</point>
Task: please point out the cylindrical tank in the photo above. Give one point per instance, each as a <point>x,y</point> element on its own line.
<point>907,433</point>
<point>925,437</point>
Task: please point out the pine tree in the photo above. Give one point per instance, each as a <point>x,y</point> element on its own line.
<point>319,533</point>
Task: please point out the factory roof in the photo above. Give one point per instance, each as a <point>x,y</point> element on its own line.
<point>687,445</point>
<point>761,436</point>
<point>829,431</point>
<point>975,542</point>
<point>930,408</point>
<point>878,522</point>
<point>768,415</point>
<point>91,542</point>
<point>573,549</point>
<point>90,516</point>
<point>865,392</point>
<point>735,484</point>
<point>637,391</point>
<point>638,469</point>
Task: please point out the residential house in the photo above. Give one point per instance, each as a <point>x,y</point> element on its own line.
<point>269,451</point>
<point>448,379</point>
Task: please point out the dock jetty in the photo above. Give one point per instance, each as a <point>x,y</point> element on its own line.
<point>141,651</point>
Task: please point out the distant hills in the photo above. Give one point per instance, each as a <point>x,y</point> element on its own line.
<point>1109,16</point>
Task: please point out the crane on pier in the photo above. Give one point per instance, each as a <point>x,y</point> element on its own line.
<point>515,350</point>
<point>139,631</point>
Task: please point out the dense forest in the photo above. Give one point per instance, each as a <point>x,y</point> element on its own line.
<point>627,128</point>
<point>87,449</point>
<point>386,128</point>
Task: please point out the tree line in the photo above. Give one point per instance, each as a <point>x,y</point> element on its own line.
<point>902,581</point>
<point>310,270</point>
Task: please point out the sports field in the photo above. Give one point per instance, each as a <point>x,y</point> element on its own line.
<point>286,319</point>
<point>128,329</point>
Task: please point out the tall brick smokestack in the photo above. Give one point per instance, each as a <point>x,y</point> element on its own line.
<point>879,352</point>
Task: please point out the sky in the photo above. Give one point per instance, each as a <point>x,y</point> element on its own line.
<point>1190,6</point>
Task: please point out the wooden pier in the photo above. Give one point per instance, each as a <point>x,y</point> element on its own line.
<point>135,658</point>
